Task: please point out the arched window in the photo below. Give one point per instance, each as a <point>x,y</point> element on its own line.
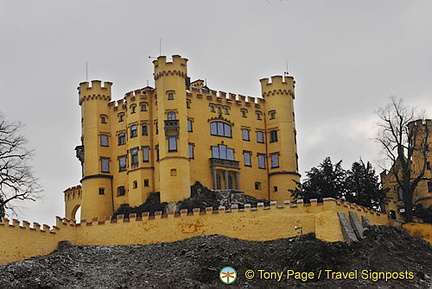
<point>218,182</point>
<point>220,129</point>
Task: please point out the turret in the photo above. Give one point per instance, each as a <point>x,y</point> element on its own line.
<point>281,136</point>
<point>94,152</point>
<point>170,78</point>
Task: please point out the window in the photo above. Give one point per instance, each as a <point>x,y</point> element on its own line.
<point>189,125</point>
<point>121,139</point>
<point>145,151</point>
<point>245,134</point>
<point>273,136</point>
<point>121,191</point>
<point>222,152</point>
<point>105,165</point>
<point>143,106</point>
<point>247,159</point>
<point>220,129</point>
<point>257,186</point>
<point>226,110</point>
<point>157,127</point>
<point>275,188</point>
<point>261,161</point>
<point>135,184</point>
<point>191,151</point>
<point>101,191</point>
<point>219,110</point>
<point>212,108</point>
<point>146,183</point>
<point>103,140</point>
<point>173,172</point>
<point>258,115</point>
<point>274,160</point>
<point>133,130</point>
<point>121,117</point>
<point>133,108</point>
<point>171,115</point>
<point>170,95</point>
<point>134,157</point>
<point>260,136</point>
<point>144,129</point>
<point>103,118</point>
<point>188,103</point>
<point>429,187</point>
<point>157,152</point>
<point>122,163</point>
<point>272,114</point>
<point>244,112</point>
<point>172,143</point>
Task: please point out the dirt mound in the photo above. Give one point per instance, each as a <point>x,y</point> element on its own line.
<point>196,263</point>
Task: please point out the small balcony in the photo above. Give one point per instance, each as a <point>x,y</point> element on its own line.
<point>171,127</point>
<point>225,163</point>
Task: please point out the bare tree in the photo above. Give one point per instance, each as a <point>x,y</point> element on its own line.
<point>403,135</point>
<point>17,182</point>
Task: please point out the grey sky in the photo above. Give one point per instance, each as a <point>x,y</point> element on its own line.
<point>347,58</point>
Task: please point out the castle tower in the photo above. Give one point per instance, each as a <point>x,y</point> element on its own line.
<point>281,136</point>
<point>94,153</point>
<point>170,80</point>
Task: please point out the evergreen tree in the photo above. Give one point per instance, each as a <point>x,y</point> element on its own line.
<point>363,186</point>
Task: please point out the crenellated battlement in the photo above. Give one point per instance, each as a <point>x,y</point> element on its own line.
<point>178,66</point>
<point>94,90</point>
<point>73,193</point>
<point>36,227</point>
<point>278,85</point>
<point>226,97</point>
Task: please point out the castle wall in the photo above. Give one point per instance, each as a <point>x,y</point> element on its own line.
<point>254,224</point>
<point>420,230</point>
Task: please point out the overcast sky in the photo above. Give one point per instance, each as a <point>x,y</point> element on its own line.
<point>347,57</point>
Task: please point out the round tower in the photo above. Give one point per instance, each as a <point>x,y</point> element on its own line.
<point>281,136</point>
<point>170,80</point>
<point>95,153</point>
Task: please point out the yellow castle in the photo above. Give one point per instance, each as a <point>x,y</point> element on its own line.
<point>164,139</point>
<point>420,131</point>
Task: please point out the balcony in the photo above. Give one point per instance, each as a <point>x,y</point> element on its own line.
<point>171,127</point>
<point>79,152</point>
<point>225,163</point>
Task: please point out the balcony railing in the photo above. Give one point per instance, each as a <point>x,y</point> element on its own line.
<point>225,163</point>
<point>171,126</point>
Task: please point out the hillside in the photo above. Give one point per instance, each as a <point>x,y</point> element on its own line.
<point>196,262</point>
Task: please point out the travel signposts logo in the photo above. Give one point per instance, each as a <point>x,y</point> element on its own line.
<point>228,275</point>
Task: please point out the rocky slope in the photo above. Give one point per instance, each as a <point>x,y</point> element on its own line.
<point>196,263</point>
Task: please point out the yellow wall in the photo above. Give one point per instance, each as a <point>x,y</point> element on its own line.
<point>258,224</point>
<point>421,230</point>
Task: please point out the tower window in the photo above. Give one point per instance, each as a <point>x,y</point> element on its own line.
<point>133,130</point>
<point>101,191</point>
<point>157,127</point>
<point>272,114</point>
<point>244,112</point>
<point>103,118</point>
<point>172,143</point>
<point>260,136</point>
<point>245,134</point>
<point>170,95</point>
<point>103,140</point>
<point>257,186</point>
<point>121,191</point>
<point>122,163</point>
<point>261,161</point>
<point>188,103</point>
<point>226,110</point>
<point>212,108</point>
<point>143,106</point>
<point>275,188</point>
<point>171,115</point>
<point>144,128</point>
<point>273,136</point>
<point>105,165</point>
<point>258,115</point>
<point>189,125</point>
<point>121,139</point>
<point>146,183</point>
<point>191,151</point>
<point>219,110</point>
<point>145,151</point>
<point>135,184</point>
<point>134,157</point>
<point>247,159</point>
<point>121,117</point>
<point>275,160</point>
<point>220,129</point>
<point>157,152</point>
